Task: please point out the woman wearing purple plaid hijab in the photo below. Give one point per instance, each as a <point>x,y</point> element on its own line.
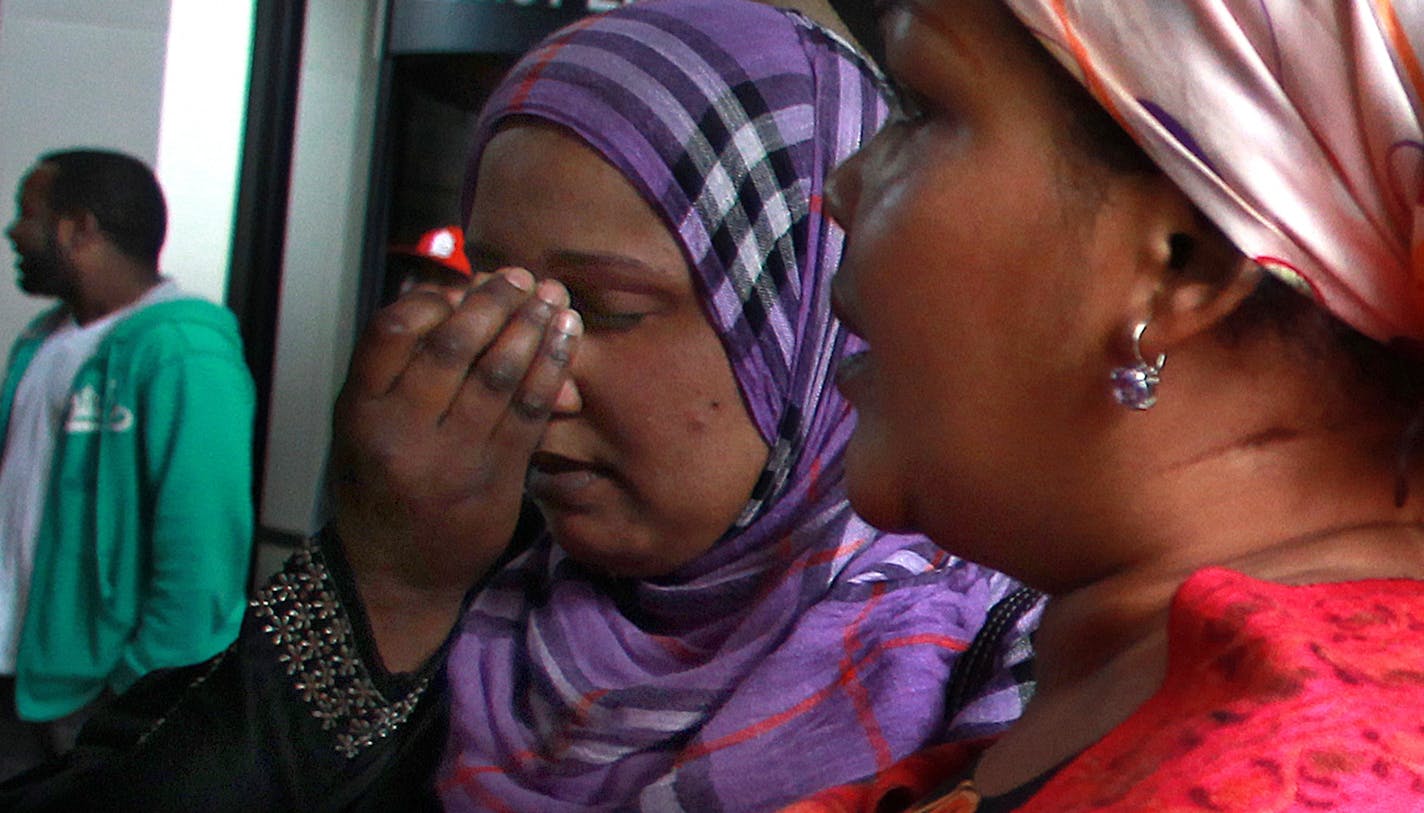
<point>694,619</point>
<point>793,642</point>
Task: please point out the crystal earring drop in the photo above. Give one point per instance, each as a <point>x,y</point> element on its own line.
<point>1135,386</point>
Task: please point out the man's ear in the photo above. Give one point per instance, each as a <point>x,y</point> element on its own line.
<point>78,231</point>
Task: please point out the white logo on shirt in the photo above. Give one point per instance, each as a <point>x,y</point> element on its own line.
<point>83,415</point>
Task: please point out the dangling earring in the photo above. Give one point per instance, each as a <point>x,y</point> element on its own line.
<point>1135,386</point>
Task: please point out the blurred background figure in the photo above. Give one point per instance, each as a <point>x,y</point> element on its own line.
<point>125,481</point>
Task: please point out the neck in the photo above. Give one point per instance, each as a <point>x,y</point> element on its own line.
<point>1101,652</point>
<point>110,292</point>
<point>1292,507</point>
<point>1283,472</point>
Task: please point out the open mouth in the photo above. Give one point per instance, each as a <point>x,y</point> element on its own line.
<point>555,463</point>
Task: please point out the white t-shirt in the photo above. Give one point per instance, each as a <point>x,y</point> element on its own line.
<point>42,403</point>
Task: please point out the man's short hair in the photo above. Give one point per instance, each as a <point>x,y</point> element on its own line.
<point>119,190</point>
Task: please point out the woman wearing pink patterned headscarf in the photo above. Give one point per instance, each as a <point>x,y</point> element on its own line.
<point>1140,285</point>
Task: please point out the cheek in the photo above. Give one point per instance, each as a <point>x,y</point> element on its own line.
<point>696,433</point>
<point>652,399</point>
<point>702,417</point>
<point>671,417</point>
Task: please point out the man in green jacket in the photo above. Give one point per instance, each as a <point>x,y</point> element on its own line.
<point>125,476</point>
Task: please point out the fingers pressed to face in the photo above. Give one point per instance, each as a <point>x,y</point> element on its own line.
<point>543,388</point>
<point>523,423</point>
<point>438,366</point>
<point>454,294</point>
<point>522,372</point>
<point>386,346</point>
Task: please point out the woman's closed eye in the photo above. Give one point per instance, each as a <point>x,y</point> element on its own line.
<point>607,314</point>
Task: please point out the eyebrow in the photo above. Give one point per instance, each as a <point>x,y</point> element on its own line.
<point>621,270</point>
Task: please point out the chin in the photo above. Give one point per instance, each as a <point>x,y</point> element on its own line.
<point>607,550</point>
<point>875,491</point>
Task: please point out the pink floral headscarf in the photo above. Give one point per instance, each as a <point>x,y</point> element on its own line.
<point>1293,124</point>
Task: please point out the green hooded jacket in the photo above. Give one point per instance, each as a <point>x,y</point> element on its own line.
<point>145,542</point>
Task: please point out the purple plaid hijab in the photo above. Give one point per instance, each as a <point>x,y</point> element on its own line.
<point>806,648</point>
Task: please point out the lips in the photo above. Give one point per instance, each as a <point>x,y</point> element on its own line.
<point>563,482</point>
<point>854,369</point>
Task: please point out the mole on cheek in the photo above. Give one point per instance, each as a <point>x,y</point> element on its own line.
<point>698,421</point>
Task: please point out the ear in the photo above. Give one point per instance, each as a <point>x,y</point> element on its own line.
<point>79,234</point>
<point>1191,276</point>
<point>87,229</point>
<point>77,230</point>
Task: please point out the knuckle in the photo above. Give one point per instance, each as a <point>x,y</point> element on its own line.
<point>559,352</point>
<point>532,406</point>
<point>389,323</point>
<point>449,348</point>
<point>411,314</point>
<point>499,375</point>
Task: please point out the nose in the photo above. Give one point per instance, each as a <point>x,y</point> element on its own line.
<point>569,401</point>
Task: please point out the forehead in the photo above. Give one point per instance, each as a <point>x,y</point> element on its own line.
<point>529,145</point>
<point>34,189</point>
<point>542,179</point>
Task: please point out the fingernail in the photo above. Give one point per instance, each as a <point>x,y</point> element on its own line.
<point>552,292</point>
<point>567,326</point>
<point>519,278</point>
<point>568,323</point>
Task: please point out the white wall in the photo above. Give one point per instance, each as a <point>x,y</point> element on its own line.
<point>200,137</point>
<point>105,73</point>
<point>325,228</point>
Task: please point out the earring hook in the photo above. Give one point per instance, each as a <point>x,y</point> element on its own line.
<point>1135,386</point>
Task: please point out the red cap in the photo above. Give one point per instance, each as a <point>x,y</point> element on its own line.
<point>444,246</point>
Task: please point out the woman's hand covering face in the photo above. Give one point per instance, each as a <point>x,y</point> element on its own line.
<point>442,407</point>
